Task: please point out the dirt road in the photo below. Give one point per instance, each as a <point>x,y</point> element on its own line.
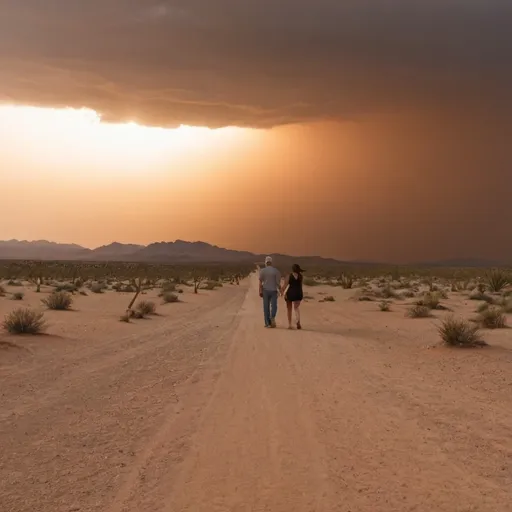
<point>204,410</point>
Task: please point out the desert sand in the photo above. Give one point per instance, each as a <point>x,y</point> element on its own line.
<point>201,409</point>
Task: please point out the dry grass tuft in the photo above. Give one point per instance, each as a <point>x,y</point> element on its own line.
<point>24,321</point>
<point>492,318</point>
<point>385,305</point>
<point>169,298</point>
<point>497,280</point>
<point>418,311</point>
<point>146,307</point>
<point>59,301</point>
<point>457,332</point>
<point>17,296</point>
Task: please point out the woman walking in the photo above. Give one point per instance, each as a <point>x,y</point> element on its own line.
<point>293,295</point>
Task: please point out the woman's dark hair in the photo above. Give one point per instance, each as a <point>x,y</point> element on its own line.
<point>296,268</point>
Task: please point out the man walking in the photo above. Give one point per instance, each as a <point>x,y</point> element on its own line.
<point>270,285</point>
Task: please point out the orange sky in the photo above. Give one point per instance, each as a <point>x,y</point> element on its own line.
<point>366,129</point>
<point>383,188</point>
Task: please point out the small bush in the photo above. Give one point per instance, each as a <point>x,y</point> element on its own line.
<point>385,305</point>
<point>170,297</point>
<point>309,281</point>
<point>97,288</point>
<point>492,318</point>
<point>83,292</point>
<point>478,295</point>
<point>328,298</point>
<point>408,294</point>
<point>418,311</point>
<point>17,296</point>
<point>128,289</point>
<point>496,280</point>
<point>211,285</point>
<point>429,300</point>
<point>65,287</point>
<point>346,281</point>
<point>60,301</point>
<point>12,282</point>
<point>146,307</point>
<point>24,321</point>
<point>2,291</point>
<point>457,332</point>
<point>388,293</point>
<point>365,298</point>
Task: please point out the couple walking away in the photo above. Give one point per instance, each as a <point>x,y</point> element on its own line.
<point>271,286</point>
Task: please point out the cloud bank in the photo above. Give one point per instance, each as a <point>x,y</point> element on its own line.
<point>256,63</point>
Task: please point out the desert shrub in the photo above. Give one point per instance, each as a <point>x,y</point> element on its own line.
<point>418,311</point>
<point>128,289</point>
<point>408,294</point>
<point>388,293</point>
<point>170,297</point>
<point>460,333</point>
<point>97,288</point>
<point>309,281</point>
<point>496,280</point>
<point>346,281</point>
<point>2,291</point>
<point>365,298</point>
<point>478,295</point>
<point>17,296</point>
<point>385,305</point>
<point>211,285</point>
<point>168,287</point>
<point>60,301</point>
<point>492,318</point>
<point>429,300</point>
<point>13,282</point>
<point>65,287</point>
<point>328,298</point>
<point>83,292</point>
<point>146,307</point>
<point>24,321</point>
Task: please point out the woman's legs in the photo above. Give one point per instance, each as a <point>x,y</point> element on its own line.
<point>289,306</point>
<point>297,313</point>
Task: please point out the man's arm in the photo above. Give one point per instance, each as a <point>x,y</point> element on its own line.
<point>261,284</point>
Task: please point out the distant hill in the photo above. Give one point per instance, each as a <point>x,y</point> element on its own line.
<point>179,251</point>
<point>182,251</point>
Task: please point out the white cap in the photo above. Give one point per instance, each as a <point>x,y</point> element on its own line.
<point>268,260</point>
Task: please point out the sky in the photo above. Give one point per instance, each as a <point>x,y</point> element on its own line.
<point>356,129</point>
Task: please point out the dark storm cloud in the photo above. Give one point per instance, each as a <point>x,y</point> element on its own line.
<point>255,62</point>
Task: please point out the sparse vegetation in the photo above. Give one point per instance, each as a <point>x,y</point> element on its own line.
<point>457,332</point>
<point>2,291</point>
<point>385,305</point>
<point>97,288</point>
<point>24,321</point>
<point>430,300</point>
<point>419,311</point>
<point>17,296</point>
<point>328,298</point>
<point>309,281</point>
<point>170,298</point>
<point>125,318</point>
<point>479,295</point>
<point>60,301</point>
<point>346,281</point>
<point>146,307</point>
<point>497,280</point>
<point>492,318</point>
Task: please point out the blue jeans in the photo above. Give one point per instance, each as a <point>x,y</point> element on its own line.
<point>269,305</point>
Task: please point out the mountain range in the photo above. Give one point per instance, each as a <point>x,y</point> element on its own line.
<point>181,251</point>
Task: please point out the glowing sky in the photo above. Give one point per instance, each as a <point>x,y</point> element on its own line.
<point>372,129</point>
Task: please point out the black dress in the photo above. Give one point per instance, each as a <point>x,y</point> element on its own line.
<point>294,293</point>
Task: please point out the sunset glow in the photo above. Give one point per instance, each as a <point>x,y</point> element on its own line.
<point>58,134</point>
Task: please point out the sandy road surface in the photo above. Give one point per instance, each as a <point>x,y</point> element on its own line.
<point>206,411</point>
